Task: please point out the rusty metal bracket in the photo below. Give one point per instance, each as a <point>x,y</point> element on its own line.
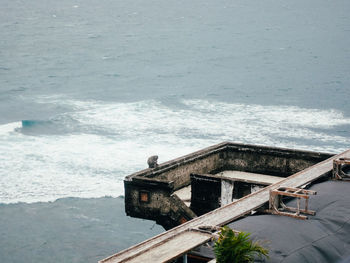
<point>277,206</point>
<point>338,172</point>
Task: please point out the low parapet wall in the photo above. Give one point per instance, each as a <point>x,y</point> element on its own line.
<point>270,160</point>
<point>178,170</point>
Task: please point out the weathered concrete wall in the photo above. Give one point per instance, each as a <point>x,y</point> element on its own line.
<point>178,170</point>
<point>153,199</point>
<point>271,161</point>
<point>158,202</point>
<point>180,175</point>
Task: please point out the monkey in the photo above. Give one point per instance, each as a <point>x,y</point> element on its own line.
<point>152,161</point>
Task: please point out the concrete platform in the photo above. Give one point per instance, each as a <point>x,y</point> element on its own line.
<point>250,177</point>
<point>184,194</point>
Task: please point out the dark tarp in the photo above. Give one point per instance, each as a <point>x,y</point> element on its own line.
<point>324,237</point>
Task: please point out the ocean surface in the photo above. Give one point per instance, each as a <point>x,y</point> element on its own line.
<point>90,89</point>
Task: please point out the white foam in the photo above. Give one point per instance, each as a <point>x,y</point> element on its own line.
<point>8,128</point>
<point>93,164</point>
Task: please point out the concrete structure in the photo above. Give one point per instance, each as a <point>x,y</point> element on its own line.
<point>175,243</point>
<point>215,176</point>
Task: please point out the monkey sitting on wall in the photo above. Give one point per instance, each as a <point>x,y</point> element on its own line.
<point>152,161</point>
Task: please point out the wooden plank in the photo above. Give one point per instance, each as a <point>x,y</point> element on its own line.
<point>250,177</point>
<point>290,194</point>
<point>177,245</point>
<point>226,214</point>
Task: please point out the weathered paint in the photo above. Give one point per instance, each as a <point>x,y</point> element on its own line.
<point>227,188</point>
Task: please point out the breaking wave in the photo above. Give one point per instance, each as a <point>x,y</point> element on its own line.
<point>87,152</point>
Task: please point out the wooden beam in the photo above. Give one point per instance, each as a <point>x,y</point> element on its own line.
<point>169,249</point>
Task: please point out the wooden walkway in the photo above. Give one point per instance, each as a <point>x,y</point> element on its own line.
<point>174,243</point>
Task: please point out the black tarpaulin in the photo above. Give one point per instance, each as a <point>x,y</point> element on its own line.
<point>324,237</point>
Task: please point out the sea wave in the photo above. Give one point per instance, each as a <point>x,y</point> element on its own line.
<point>99,143</point>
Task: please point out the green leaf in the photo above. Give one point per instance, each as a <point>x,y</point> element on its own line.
<point>237,248</point>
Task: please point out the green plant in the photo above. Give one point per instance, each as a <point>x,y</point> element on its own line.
<point>237,248</point>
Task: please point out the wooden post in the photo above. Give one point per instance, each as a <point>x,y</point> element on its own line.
<point>338,173</point>
<point>277,207</point>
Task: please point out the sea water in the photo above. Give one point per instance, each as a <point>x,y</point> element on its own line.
<point>90,89</point>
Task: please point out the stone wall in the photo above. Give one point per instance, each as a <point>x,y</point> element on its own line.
<point>269,160</point>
